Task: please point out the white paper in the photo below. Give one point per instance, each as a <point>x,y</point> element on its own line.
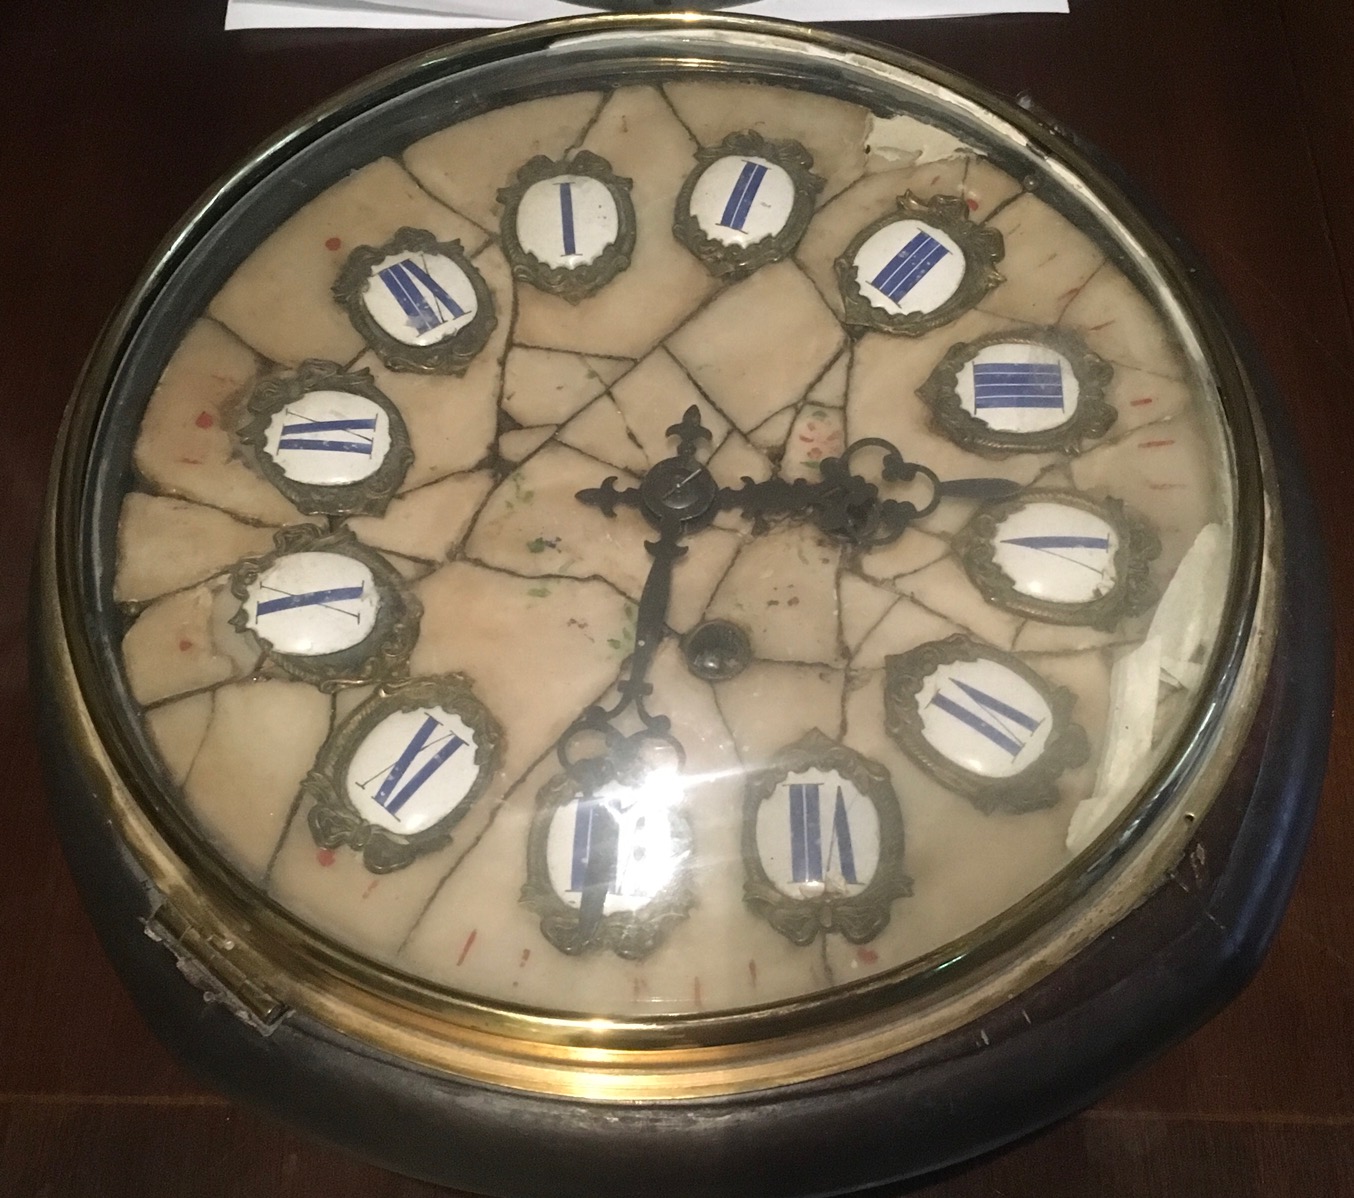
<point>494,14</point>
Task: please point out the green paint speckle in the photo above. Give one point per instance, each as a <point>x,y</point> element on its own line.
<point>539,592</point>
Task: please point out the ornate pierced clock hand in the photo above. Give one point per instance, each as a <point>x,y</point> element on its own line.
<point>842,503</point>
<point>679,495</point>
<point>676,496</point>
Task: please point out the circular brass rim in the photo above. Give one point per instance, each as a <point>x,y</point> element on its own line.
<point>684,1056</point>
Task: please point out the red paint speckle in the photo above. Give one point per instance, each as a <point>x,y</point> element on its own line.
<point>526,956</point>
<point>466,947</point>
<point>332,244</point>
<point>972,204</point>
<point>935,180</point>
<point>185,645</point>
<point>325,857</point>
<point>866,956</point>
<point>1156,444</point>
<point>191,461</point>
<point>1140,403</point>
<point>815,454</point>
<point>205,420</point>
<point>752,973</point>
<point>375,882</point>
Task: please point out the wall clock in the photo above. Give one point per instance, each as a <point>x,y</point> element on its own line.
<point>677,604</point>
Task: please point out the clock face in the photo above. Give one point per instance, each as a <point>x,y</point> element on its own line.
<point>670,545</point>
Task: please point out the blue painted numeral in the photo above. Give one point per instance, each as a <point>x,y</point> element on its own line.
<point>1017,385</point>
<point>590,833</point>
<point>304,435</point>
<point>403,280</point>
<point>566,217</point>
<point>391,795</point>
<point>806,839</point>
<point>744,191</point>
<point>909,266</point>
<point>326,598</point>
<point>1053,542</point>
<point>1000,716</point>
<point>1054,545</point>
<point>806,847</point>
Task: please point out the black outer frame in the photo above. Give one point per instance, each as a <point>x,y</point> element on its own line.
<point>1157,974</point>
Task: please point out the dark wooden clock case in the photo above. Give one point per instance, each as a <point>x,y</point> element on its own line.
<point>1183,953</point>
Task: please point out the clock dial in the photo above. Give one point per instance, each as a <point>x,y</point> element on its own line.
<point>1025,390</point>
<point>325,609</point>
<point>1060,557</point>
<point>766,546</point>
<point>983,722</point>
<point>330,441</point>
<point>402,770</point>
<point>568,227</point>
<point>747,202</point>
<point>823,843</point>
<point>418,302</point>
<point>919,267</point>
<point>607,863</point>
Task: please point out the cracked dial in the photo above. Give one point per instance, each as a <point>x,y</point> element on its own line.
<point>785,533</point>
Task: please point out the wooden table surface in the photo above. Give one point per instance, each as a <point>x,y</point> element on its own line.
<point>1236,115</point>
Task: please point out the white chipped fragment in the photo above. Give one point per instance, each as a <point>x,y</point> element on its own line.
<point>1134,684</point>
<point>1189,610</point>
<point>905,141</point>
<point>1171,653</point>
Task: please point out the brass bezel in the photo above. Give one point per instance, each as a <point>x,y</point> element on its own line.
<point>1133,591</point>
<point>571,283</point>
<point>366,497</point>
<point>1092,419</point>
<point>733,262</point>
<point>381,655</point>
<point>333,819</point>
<point>452,354</point>
<point>861,917</point>
<point>1036,785</point>
<point>627,1060</point>
<point>981,245</point>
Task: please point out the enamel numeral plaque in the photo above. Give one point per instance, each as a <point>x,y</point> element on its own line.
<point>1021,392</point>
<point>326,609</point>
<point>402,771</point>
<point>1062,557</point>
<point>983,722</point>
<point>919,267</point>
<point>329,440</point>
<point>823,843</point>
<point>568,225</point>
<point>747,203</point>
<point>418,302</point>
<point>649,586</point>
<point>608,866</point>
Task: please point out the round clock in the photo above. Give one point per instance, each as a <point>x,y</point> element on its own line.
<point>677,605</point>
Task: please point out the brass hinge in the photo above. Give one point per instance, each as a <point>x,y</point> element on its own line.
<point>206,961</point>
